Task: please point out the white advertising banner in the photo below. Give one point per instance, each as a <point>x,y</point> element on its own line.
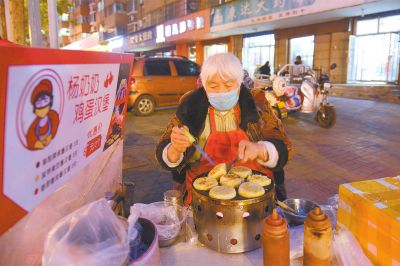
<point>58,119</point>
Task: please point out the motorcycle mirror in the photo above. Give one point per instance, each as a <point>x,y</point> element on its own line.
<point>333,66</point>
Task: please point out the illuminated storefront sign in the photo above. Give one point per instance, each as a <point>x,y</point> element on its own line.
<point>143,38</point>
<point>180,27</point>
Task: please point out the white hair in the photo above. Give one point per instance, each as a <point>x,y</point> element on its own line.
<point>226,65</point>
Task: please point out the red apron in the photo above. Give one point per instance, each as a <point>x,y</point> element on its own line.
<point>222,147</point>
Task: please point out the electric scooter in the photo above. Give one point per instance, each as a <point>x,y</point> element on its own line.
<point>306,93</point>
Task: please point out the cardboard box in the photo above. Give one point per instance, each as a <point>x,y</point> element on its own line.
<point>371,211</point>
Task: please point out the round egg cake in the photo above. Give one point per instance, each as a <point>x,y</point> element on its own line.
<point>205,183</point>
<point>218,171</point>
<point>251,190</point>
<point>241,171</point>
<point>222,193</point>
<point>230,180</point>
<point>260,179</point>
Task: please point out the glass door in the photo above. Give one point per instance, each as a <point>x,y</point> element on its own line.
<point>257,51</point>
<point>304,47</point>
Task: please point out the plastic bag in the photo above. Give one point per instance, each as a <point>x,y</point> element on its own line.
<point>334,201</point>
<point>163,215</point>
<point>92,235</point>
<point>348,250</point>
<point>135,232</point>
<point>191,233</point>
<point>331,209</point>
<point>296,241</point>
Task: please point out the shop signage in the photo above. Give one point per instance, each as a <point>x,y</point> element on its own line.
<point>62,109</point>
<point>250,12</point>
<point>168,30</point>
<point>142,38</point>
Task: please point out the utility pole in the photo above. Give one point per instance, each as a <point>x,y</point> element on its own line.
<point>35,23</point>
<point>53,23</point>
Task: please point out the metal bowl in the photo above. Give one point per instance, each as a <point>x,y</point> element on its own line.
<point>303,206</point>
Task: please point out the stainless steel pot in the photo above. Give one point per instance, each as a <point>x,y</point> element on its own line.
<point>231,226</point>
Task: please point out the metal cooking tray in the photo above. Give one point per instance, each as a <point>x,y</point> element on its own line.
<point>238,197</point>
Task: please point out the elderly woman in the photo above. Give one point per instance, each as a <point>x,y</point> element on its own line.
<point>229,123</point>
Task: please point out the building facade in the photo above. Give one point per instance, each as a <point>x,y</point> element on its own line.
<point>321,32</point>
<point>107,18</point>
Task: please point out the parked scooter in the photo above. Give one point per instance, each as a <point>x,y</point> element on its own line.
<point>307,93</point>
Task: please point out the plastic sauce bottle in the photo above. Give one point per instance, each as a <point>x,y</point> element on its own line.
<point>275,240</point>
<point>317,238</point>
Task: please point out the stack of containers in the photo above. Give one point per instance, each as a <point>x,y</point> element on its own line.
<point>371,211</point>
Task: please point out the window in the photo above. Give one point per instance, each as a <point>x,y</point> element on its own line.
<point>92,8</point>
<point>389,24</point>
<point>157,68</point>
<point>366,62</point>
<point>86,19</point>
<point>65,17</point>
<point>83,19</point>
<point>258,50</point>
<point>378,25</point>
<point>369,26</point>
<point>109,11</point>
<point>92,17</point>
<point>100,5</point>
<point>119,8</point>
<point>174,10</point>
<point>215,49</point>
<point>134,5</point>
<point>131,19</point>
<point>304,47</point>
<point>121,30</point>
<point>186,68</point>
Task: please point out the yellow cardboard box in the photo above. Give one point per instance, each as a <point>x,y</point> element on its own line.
<point>371,211</point>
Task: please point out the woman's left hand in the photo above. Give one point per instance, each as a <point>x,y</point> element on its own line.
<point>249,151</point>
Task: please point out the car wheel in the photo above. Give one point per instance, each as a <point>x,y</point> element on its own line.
<point>145,105</point>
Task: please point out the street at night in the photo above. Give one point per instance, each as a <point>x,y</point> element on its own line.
<point>363,145</point>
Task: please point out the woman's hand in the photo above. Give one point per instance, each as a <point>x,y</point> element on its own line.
<point>179,143</point>
<point>249,151</point>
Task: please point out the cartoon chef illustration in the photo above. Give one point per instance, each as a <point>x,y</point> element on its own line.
<point>44,128</point>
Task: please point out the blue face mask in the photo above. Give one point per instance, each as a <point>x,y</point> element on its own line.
<point>223,101</point>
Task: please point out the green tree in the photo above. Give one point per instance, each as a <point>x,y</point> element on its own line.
<point>20,22</point>
<point>62,7</point>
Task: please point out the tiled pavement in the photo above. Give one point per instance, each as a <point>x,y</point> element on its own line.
<point>364,144</point>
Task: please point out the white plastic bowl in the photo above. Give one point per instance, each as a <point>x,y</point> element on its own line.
<point>169,221</point>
